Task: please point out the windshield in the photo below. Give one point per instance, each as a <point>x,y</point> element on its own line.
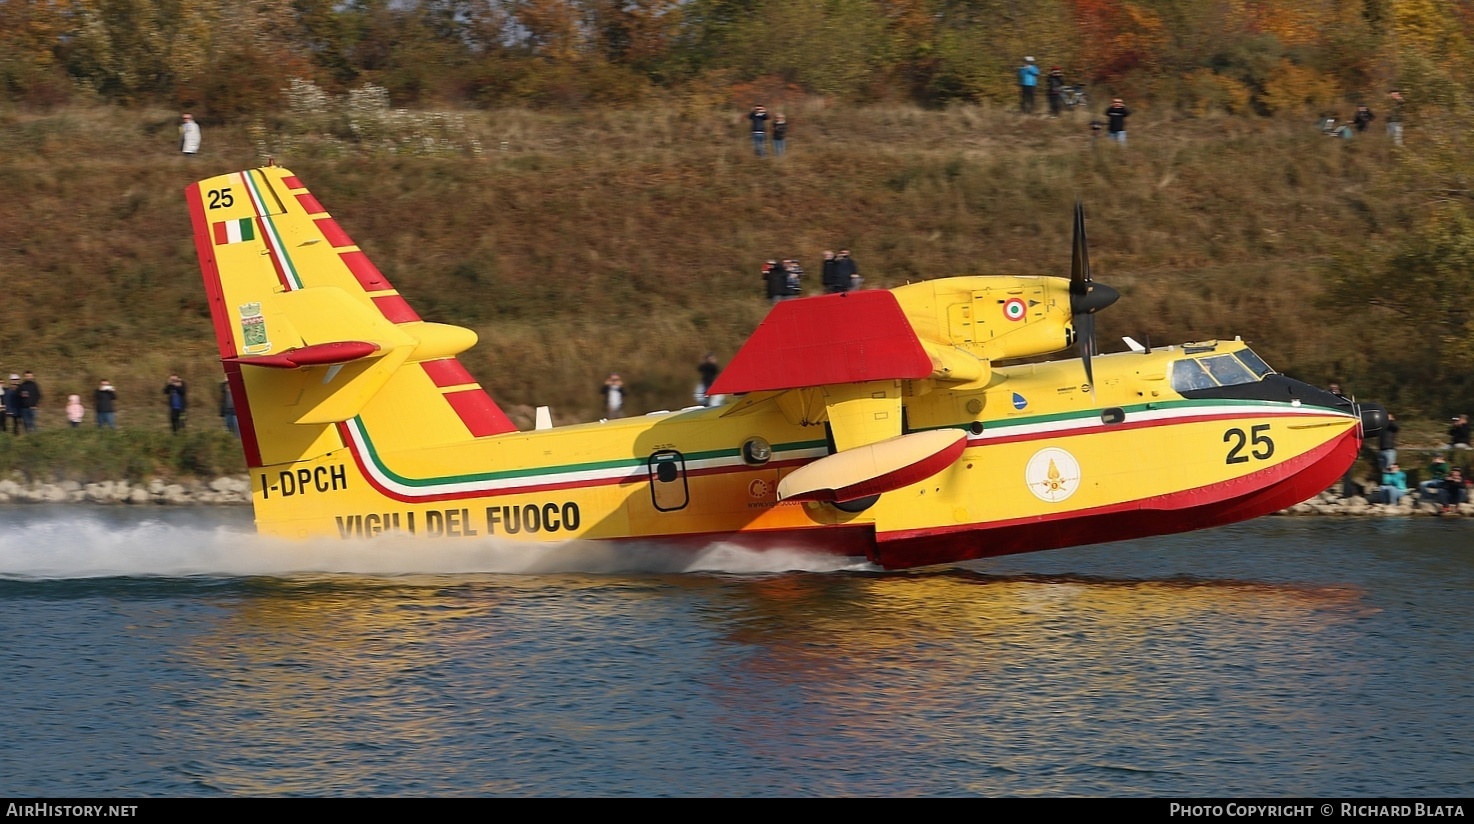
<point>1254,362</point>
<point>1217,370</point>
<point>1188,375</point>
<point>1228,370</point>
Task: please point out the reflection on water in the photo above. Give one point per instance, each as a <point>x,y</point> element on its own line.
<point>1276,658</point>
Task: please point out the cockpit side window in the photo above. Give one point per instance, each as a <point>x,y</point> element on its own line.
<point>1254,362</point>
<point>1188,374</point>
<point>1228,370</point>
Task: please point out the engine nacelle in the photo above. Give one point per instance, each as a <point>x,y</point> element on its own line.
<point>992,318</point>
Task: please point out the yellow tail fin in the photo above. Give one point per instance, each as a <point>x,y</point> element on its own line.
<point>312,334</point>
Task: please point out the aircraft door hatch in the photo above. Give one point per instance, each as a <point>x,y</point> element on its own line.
<point>668,491</point>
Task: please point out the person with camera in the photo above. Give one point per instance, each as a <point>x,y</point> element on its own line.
<point>1394,485</point>
<point>759,118</point>
<point>1055,91</point>
<point>1116,116</point>
<point>1455,490</point>
<point>1028,78</point>
<point>1458,434</point>
<point>174,391</point>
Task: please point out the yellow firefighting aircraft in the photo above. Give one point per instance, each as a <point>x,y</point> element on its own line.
<point>877,424</point>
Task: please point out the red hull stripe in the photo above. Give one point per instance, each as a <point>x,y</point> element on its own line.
<point>1240,499</point>
<point>310,204</point>
<point>395,309</point>
<point>480,415</point>
<point>333,232</point>
<point>369,276</point>
<point>447,372</point>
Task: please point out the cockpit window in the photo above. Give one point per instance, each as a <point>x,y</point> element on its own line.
<point>1188,375</point>
<point>1216,370</point>
<point>1254,362</point>
<point>1228,370</point>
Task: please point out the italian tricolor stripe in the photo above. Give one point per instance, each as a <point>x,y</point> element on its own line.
<point>234,231</point>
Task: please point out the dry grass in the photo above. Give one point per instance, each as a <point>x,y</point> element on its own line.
<point>620,240</point>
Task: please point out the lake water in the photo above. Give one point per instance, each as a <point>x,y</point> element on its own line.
<point>170,652</point>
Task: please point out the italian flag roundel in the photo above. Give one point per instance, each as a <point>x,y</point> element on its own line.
<point>234,231</point>
<point>1014,309</point>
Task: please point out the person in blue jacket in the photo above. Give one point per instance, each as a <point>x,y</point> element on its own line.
<point>1028,79</point>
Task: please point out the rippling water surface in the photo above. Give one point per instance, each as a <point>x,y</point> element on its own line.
<point>173,653</point>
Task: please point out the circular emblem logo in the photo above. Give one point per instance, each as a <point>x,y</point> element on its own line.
<point>1014,309</point>
<point>1052,474</point>
<point>759,488</point>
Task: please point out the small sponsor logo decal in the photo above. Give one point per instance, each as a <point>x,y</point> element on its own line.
<point>1019,402</point>
<point>253,330</point>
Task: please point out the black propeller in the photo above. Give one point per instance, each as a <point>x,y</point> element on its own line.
<point>1086,296</point>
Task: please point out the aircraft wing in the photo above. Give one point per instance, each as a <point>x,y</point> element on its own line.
<point>849,354</point>
<point>830,339</point>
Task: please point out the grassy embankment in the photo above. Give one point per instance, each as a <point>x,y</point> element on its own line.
<point>629,241</point>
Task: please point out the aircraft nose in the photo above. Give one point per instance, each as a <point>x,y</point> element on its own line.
<point>1094,298</point>
<point>1373,418</point>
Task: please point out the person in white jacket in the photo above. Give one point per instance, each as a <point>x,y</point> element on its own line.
<point>189,136</point>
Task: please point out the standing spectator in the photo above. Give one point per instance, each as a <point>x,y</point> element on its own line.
<point>74,410</point>
<point>709,369</point>
<point>775,277</point>
<point>1394,116</point>
<point>759,118</point>
<point>1116,120</point>
<point>189,136</point>
<point>12,404</point>
<point>1363,118</point>
<point>1028,78</point>
<point>30,398</point>
<point>105,401</point>
<point>1387,441</point>
<point>846,271</point>
<point>795,275</point>
<point>613,390</point>
<point>175,392</point>
<point>1055,90</point>
<point>780,134</point>
<point>227,409</point>
<point>827,276</point>
<point>1458,434</point>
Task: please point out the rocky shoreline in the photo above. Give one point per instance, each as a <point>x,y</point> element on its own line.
<point>236,490</point>
<point>227,490</point>
<point>1329,503</point>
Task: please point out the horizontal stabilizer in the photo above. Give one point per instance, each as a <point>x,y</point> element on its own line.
<point>318,354</point>
<point>875,468</point>
<point>825,340</point>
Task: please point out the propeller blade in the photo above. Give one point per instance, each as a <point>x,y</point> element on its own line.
<point>1080,257</point>
<point>1085,327</point>
<point>1086,296</point>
